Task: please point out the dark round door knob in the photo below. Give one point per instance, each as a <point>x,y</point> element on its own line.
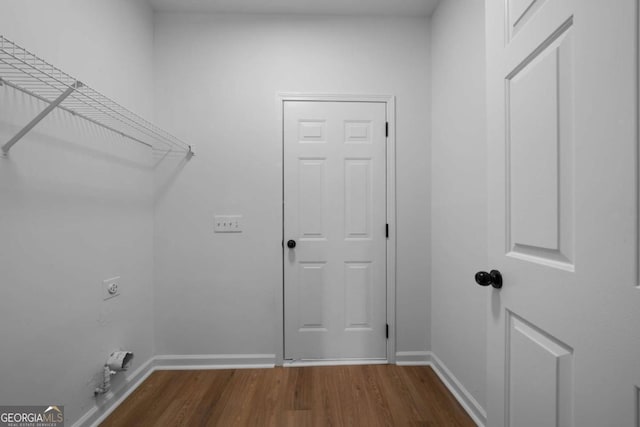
<point>291,244</point>
<point>493,278</point>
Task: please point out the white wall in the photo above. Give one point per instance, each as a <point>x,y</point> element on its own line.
<point>76,207</point>
<point>459,192</point>
<point>217,77</point>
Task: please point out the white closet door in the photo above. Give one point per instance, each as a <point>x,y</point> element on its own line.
<point>335,213</point>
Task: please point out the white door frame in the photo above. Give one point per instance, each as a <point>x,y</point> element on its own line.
<point>390,103</point>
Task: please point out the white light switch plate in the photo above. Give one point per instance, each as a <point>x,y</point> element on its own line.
<point>227,224</point>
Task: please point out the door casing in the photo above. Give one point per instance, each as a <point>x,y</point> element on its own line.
<point>389,101</point>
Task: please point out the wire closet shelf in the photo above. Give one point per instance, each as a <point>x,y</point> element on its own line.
<point>24,71</point>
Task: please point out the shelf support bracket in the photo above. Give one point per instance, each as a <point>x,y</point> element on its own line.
<point>6,147</point>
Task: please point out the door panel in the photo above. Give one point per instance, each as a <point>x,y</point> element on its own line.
<point>544,398</point>
<point>562,101</point>
<point>312,283</point>
<point>358,203</point>
<point>335,210</point>
<point>312,212</point>
<point>519,12</point>
<point>358,296</point>
<point>539,145</point>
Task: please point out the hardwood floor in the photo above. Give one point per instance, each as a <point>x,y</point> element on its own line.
<point>371,395</point>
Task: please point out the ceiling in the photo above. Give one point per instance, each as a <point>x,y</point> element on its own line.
<point>325,7</point>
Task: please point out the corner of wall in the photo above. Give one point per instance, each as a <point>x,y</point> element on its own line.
<point>458,205</point>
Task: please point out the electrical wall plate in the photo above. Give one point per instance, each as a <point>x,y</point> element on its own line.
<point>110,288</point>
<point>227,224</point>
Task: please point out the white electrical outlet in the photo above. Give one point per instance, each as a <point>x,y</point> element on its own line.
<point>110,288</point>
<point>227,224</point>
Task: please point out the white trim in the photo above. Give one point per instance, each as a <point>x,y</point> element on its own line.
<point>413,358</point>
<point>391,220</point>
<point>332,97</point>
<point>336,362</point>
<point>560,265</point>
<point>390,102</point>
<point>462,395</point>
<point>214,361</point>
<point>112,400</point>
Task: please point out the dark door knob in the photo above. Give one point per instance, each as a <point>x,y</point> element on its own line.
<point>493,278</point>
<point>291,244</point>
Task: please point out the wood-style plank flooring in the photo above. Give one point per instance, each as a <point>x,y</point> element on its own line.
<point>370,395</point>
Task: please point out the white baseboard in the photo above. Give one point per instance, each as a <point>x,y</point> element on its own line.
<point>214,361</point>
<point>413,358</point>
<point>112,400</point>
<point>239,361</point>
<point>337,362</point>
<point>462,395</point>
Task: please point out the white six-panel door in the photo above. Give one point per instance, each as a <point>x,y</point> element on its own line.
<point>564,331</point>
<point>335,212</point>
